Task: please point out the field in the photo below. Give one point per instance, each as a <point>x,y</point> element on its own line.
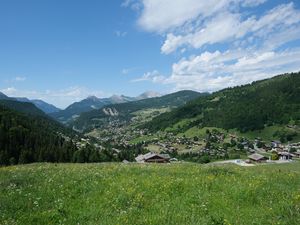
<point>182,193</point>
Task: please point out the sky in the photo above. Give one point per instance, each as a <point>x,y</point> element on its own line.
<point>63,51</point>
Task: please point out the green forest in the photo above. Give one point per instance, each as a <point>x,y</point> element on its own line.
<point>29,135</point>
<point>246,108</point>
<point>25,139</point>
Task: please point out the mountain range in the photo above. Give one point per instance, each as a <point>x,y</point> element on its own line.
<point>91,103</point>
<point>76,108</point>
<point>28,134</point>
<point>44,106</point>
<point>125,111</point>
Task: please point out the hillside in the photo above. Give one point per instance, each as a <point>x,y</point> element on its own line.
<point>124,111</point>
<point>88,104</point>
<point>245,108</point>
<point>28,135</point>
<point>23,107</point>
<point>181,193</point>
<point>3,96</point>
<point>42,105</point>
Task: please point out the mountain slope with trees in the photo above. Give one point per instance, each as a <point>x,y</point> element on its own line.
<point>26,138</point>
<point>248,107</point>
<point>88,104</point>
<point>124,111</point>
<point>42,105</point>
<point>23,107</point>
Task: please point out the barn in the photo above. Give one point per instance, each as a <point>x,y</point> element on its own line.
<point>153,158</point>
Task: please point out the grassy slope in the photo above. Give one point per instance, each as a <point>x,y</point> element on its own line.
<point>248,107</point>
<point>149,194</point>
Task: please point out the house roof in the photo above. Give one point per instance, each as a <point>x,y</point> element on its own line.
<point>139,158</point>
<point>256,157</point>
<point>285,154</point>
<point>150,155</point>
<point>166,156</point>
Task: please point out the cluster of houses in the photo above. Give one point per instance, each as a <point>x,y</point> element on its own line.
<point>283,152</point>
<point>119,133</point>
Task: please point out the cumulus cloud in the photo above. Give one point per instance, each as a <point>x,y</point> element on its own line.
<point>212,71</point>
<point>161,16</point>
<point>135,5</point>
<point>228,26</point>
<point>231,43</point>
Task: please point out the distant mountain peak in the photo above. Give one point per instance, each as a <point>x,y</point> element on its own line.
<point>120,99</point>
<point>3,96</point>
<point>92,97</point>
<point>148,94</point>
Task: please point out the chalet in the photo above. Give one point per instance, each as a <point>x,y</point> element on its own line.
<point>258,158</point>
<point>276,144</point>
<point>153,158</point>
<point>285,155</point>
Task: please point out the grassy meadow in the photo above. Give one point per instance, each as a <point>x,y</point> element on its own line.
<point>182,193</point>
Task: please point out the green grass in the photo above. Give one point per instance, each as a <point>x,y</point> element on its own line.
<point>199,132</point>
<point>149,194</point>
<point>266,134</point>
<point>143,138</point>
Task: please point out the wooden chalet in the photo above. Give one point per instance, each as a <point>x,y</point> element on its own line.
<point>257,158</point>
<point>153,158</point>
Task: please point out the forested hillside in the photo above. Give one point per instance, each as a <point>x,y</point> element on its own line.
<point>248,107</point>
<point>26,138</point>
<point>24,107</point>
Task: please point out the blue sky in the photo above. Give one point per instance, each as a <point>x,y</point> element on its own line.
<point>62,51</point>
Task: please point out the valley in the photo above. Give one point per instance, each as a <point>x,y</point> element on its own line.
<point>149,112</point>
<point>188,126</point>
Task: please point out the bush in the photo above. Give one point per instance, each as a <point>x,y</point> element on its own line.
<point>274,156</point>
<point>204,159</point>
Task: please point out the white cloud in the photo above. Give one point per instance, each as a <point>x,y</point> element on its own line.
<point>160,16</point>
<point>60,98</point>
<point>135,5</point>
<point>128,70</point>
<point>19,79</point>
<point>153,76</point>
<point>216,70</point>
<point>251,3</point>
<point>119,33</point>
<point>227,26</point>
<point>247,45</point>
